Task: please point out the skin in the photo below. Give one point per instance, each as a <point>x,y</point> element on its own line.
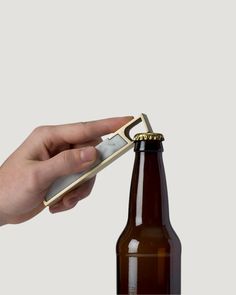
<point>48,153</point>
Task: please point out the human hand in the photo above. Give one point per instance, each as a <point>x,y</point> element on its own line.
<point>48,153</point>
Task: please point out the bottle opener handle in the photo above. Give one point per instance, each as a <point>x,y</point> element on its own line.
<point>110,149</point>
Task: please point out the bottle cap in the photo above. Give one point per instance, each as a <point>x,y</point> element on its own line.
<point>148,136</point>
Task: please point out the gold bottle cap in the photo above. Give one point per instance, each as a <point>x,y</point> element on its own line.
<point>149,136</point>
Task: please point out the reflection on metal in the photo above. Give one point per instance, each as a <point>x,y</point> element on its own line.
<point>109,150</point>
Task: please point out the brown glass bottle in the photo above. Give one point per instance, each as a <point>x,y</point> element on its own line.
<point>148,250</point>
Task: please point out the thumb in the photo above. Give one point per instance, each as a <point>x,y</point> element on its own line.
<point>67,162</point>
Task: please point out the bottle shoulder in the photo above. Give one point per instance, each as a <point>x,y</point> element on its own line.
<point>149,239</point>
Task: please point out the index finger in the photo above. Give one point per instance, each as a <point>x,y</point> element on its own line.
<point>83,132</point>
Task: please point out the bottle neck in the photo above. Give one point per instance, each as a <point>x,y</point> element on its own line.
<point>148,195</point>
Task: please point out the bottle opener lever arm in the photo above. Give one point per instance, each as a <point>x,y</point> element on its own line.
<point>109,150</point>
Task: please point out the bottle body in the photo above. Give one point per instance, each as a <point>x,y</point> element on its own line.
<point>148,250</point>
<point>148,262</point>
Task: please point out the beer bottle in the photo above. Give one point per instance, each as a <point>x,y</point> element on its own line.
<point>148,250</point>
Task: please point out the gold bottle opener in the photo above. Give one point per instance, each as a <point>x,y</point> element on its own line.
<point>110,149</point>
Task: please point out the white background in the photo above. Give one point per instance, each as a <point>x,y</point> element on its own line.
<point>68,61</point>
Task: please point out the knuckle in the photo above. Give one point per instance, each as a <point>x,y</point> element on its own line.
<point>68,204</point>
<point>72,157</point>
<point>83,123</point>
<point>83,128</point>
<point>67,158</point>
<point>44,129</point>
<point>87,190</point>
<point>87,193</point>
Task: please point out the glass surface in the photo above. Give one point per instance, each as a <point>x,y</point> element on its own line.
<point>148,250</point>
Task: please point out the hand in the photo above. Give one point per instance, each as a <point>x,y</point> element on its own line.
<point>48,153</point>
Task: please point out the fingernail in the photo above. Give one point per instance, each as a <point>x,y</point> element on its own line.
<point>88,154</point>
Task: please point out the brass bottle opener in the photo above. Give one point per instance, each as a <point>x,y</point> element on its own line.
<point>110,149</point>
